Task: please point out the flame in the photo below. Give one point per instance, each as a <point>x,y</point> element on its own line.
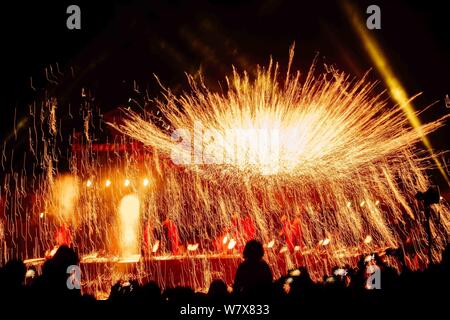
<point>155,247</point>
<point>321,138</point>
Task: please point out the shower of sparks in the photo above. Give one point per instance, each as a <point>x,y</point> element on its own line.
<point>396,89</point>
<point>324,152</point>
<point>346,162</point>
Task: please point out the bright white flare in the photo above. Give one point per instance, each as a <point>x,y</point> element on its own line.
<point>347,164</point>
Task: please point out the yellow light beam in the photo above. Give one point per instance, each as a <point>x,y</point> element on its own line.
<point>396,89</point>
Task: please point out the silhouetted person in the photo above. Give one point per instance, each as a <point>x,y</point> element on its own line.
<point>125,292</point>
<point>253,276</point>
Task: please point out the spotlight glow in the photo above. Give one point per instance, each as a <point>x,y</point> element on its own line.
<point>396,90</point>
<point>339,145</point>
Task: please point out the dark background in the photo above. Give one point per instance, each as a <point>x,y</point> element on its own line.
<point>125,42</point>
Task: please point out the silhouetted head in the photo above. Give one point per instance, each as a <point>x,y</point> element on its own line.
<point>151,292</point>
<point>13,274</point>
<point>217,289</point>
<point>446,256</point>
<point>253,250</point>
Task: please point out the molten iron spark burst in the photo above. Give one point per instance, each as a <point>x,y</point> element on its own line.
<point>346,167</point>
<point>347,163</point>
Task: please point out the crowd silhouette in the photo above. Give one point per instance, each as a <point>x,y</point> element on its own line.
<point>346,291</point>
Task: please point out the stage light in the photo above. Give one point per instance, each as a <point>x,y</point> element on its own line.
<point>297,248</point>
<point>89,183</point>
<point>225,240</point>
<point>107,183</point>
<point>349,204</point>
<point>362,203</point>
<point>377,202</point>
<point>146,182</point>
<point>126,183</point>
<point>41,215</point>
<point>271,244</point>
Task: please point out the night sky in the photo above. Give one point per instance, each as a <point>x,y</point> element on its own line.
<point>122,42</point>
